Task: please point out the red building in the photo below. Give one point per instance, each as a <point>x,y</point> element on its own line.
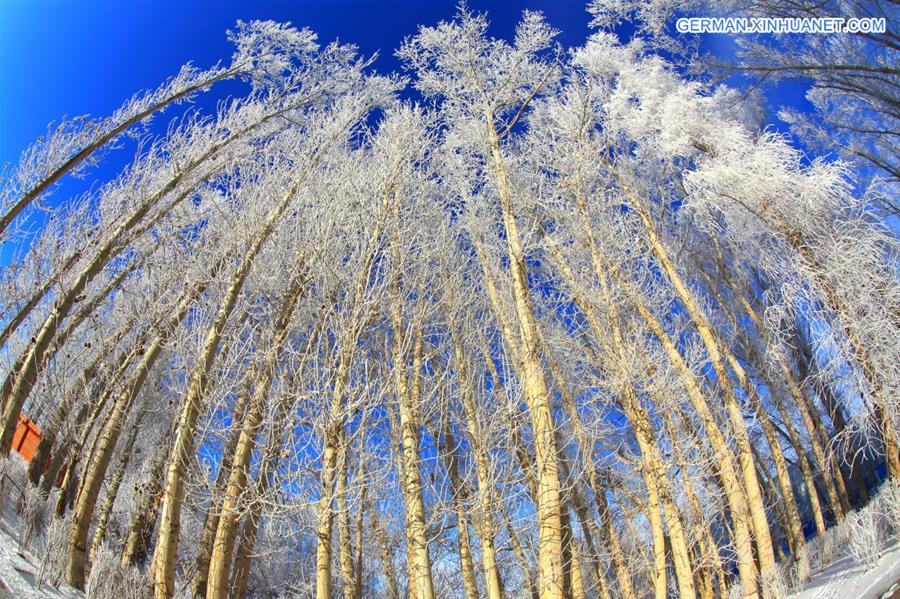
<point>26,438</point>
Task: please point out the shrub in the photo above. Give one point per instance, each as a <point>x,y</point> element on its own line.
<point>735,592</point>
<point>33,509</point>
<point>109,579</point>
<point>12,476</point>
<point>866,536</point>
<point>772,585</point>
<point>889,504</point>
<point>54,556</point>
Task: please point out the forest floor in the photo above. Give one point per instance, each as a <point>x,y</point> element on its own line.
<point>841,579</point>
<point>19,572</point>
<point>845,579</point>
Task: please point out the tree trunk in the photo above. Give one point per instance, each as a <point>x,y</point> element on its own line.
<point>112,491</point>
<point>714,349</point>
<point>49,434</point>
<point>463,541</point>
<point>51,178</point>
<point>268,468</point>
<point>345,553</point>
<point>242,559</point>
<point>735,491</point>
<point>653,469</point>
<point>623,573</point>
<point>806,416</point>
<point>387,554</point>
<point>792,514</point>
<point>134,550</point>
<point>324,511</point>
<point>22,378</point>
<point>573,583</point>
<point>360,521</point>
<point>221,556</point>
<point>419,562</point>
<point>108,438</point>
<point>550,566</point>
<point>524,563</point>
<point>485,526</point>
<point>883,419</point>
<point>182,451</point>
<point>14,322</point>
<point>213,512</point>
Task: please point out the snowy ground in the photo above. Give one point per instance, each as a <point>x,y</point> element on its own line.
<point>19,573</point>
<point>844,579</point>
<point>841,579</point>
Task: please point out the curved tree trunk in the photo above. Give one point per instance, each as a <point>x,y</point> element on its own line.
<point>714,350</point>
<point>221,557</point>
<point>112,491</point>
<point>72,163</point>
<point>267,470</point>
<point>22,378</point>
<point>167,548</point>
<point>653,468</point>
<point>134,550</point>
<point>727,471</point>
<point>200,579</point>
<point>108,438</point>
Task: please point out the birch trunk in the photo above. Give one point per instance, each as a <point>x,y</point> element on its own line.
<point>463,541</point>
<point>550,566</point>
<point>223,545</point>
<point>51,178</point>
<point>345,554</point>
<point>386,554</point>
<point>108,438</point>
<point>714,349</point>
<point>268,468</point>
<point>21,380</point>
<point>213,512</point>
<point>134,550</point>
<point>735,491</point>
<point>654,471</point>
<point>800,403</point>
<point>112,490</point>
<point>485,527</point>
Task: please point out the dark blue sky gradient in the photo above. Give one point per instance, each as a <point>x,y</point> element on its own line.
<point>85,57</point>
<point>75,57</point>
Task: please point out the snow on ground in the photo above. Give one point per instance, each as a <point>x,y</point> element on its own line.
<point>845,579</point>
<point>18,573</point>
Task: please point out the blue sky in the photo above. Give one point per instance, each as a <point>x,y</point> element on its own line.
<point>75,57</point>
<point>86,56</point>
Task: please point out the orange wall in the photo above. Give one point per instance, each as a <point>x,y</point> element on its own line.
<point>26,438</point>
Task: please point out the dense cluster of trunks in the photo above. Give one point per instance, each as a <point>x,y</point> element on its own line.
<point>571,327</point>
